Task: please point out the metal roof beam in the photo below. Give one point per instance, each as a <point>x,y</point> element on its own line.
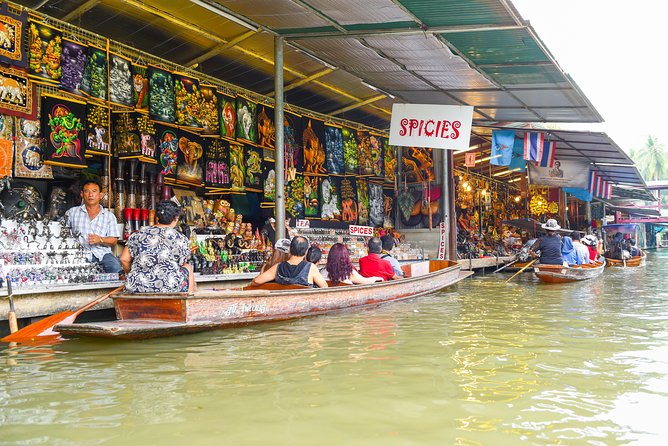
<point>358,104</point>
<point>396,31</point>
<point>79,10</point>
<point>220,48</point>
<point>306,80</point>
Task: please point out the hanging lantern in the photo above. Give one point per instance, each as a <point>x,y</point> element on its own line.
<point>553,207</point>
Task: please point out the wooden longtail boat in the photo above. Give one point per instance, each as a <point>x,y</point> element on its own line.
<point>563,274</point>
<point>156,315</point>
<point>632,262</point>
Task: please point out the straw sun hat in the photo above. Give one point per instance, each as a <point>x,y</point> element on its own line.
<point>551,225</point>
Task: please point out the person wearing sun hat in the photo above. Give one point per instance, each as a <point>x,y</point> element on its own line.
<point>281,254</point>
<point>549,245</point>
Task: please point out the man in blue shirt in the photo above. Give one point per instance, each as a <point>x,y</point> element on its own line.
<point>97,227</point>
<point>388,244</point>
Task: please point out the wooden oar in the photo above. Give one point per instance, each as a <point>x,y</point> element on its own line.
<point>507,265</point>
<point>45,326</point>
<point>11,316</point>
<point>522,270</point>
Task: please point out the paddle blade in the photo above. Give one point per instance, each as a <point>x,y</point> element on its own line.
<point>42,327</point>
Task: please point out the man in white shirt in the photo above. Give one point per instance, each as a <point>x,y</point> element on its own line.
<point>579,247</point>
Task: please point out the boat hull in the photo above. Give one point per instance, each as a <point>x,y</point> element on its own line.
<point>156,315</point>
<point>564,274</point>
<point>632,262</point>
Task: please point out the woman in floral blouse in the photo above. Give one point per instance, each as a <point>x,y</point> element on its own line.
<point>155,257</point>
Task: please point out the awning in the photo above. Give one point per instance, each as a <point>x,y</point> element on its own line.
<point>350,58</point>
<point>630,210</point>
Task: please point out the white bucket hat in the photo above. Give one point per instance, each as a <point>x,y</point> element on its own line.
<point>551,225</point>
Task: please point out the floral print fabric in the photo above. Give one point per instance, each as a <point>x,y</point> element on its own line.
<point>158,254</point>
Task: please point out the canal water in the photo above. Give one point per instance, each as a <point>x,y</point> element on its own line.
<point>482,363</point>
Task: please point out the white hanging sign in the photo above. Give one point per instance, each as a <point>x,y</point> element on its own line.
<point>429,125</point>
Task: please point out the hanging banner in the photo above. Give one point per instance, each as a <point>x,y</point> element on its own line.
<point>364,157</point>
<point>428,125</point>
<point>161,99</point>
<point>208,118</point>
<point>313,140</point>
<point>311,196</point>
<point>294,196</point>
<point>13,37</point>
<point>269,184</point>
<point>334,149</point>
<point>187,96</point>
<point>330,208</point>
<point>125,135</point>
<point>390,154</point>
<point>227,115</point>
<point>418,164</point>
<point>376,199</point>
<point>140,87</point>
<point>350,151</point>
<point>349,200</point>
<point>377,161</point>
<point>97,130</point>
<point>266,130</point>
<point>120,80</point>
<point>388,208</point>
<point>246,120</point>
<point>6,145</point>
<point>29,160</point>
<point>292,152</point>
<point>73,62</point>
<point>46,47</point>
<point>94,79</point>
<point>565,173</point>
<point>17,94</point>
<point>362,202</point>
<point>188,162</point>
<point>253,162</point>
<point>168,149</point>
<point>217,162</point>
<point>147,138</point>
<point>64,125</point>
<point>237,167</point>
<point>442,247</point>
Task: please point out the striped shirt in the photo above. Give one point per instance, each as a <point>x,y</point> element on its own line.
<point>104,225</point>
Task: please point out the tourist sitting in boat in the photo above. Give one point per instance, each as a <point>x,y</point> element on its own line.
<point>281,254</point>
<point>580,248</point>
<point>155,257</point>
<point>340,269</point>
<point>387,242</point>
<point>294,271</point>
<point>633,249</point>
<point>372,265</point>
<point>591,243</point>
<point>568,253</point>
<point>549,245</point>
<point>313,255</point>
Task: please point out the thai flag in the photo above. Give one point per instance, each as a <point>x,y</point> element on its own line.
<point>533,146</point>
<point>547,157</point>
<point>593,179</point>
<point>599,187</point>
<point>607,191</point>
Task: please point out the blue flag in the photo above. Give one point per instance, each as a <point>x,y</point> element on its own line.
<point>518,163</point>
<point>502,147</point>
<point>580,194</point>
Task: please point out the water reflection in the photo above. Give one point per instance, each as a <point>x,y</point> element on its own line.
<point>483,363</point>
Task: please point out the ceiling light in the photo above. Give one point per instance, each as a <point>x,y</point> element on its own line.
<point>514,180</point>
<point>477,146</point>
<point>505,172</point>
<point>218,9</point>
<point>487,158</point>
<point>366,84</point>
<point>613,164</point>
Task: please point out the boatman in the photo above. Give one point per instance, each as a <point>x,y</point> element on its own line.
<point>96,226</point>
<point>549,245</point>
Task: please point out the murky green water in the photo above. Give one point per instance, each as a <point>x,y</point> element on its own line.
<point>482,363</point>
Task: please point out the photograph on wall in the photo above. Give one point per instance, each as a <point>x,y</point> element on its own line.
<point>418,164</point>
<point>189,159</point>
<point>313,145</point>
<point>266,130</point>
<point>563,173</point>
<point>14,36</point>
<point>208,117</point>
<point>350,151</point>
<point>97,130</point>
<point>292,149</point>
<point>29,159</point>
<point>246,120</point>
<point>362,201</point>
<point>187,96</point>
<point>349,200</point>
<point>17,94</point>
<point>294,196</point>
<point>377,158</point>
<point>64,130</point>
<point>253,164</point>
<point>217,163</point>
<point>120,80</point>
<point>6,145</point>
<point>227,116</point>
<point>311,196</point>
<point>268,183</point>
<point>147,138</point>
<point>237,167</point>
<point>376,198</point>
<point>364,157</point>
<point>126,142</point>
<point>45,45</point>
<point>140,87</point>
<point>94,80</point>
<point>168,149</point>
<point>73,63</point>
<point>330,207</point>
<point>390,156</point>
<point>334,150</point>
<point>161,95</point>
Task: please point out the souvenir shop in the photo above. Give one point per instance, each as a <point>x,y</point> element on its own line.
<point>74,106</point>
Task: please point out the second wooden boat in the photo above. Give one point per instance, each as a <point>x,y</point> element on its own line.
<point>156,315</point>
<point>634,261</point>
<point>563,274</point>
